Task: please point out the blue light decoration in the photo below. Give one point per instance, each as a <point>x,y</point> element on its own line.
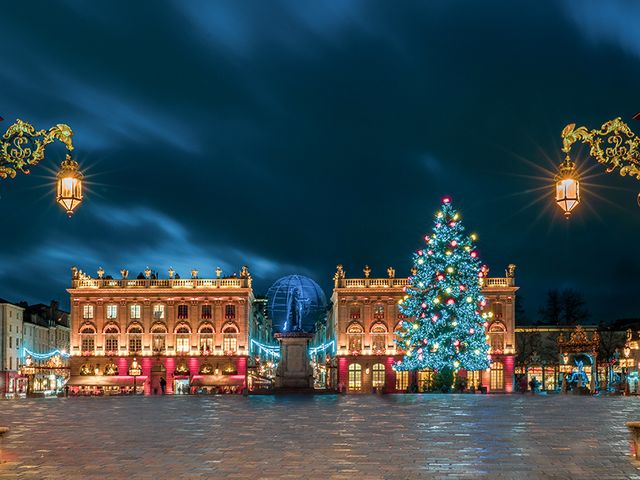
<point>269,350</point>
<point>323,348</point>
<point>295,303</point>
<point>43,356</point>
<point>444,326</point>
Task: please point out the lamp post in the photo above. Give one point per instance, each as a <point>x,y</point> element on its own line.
<point>22,146</point>
<point>614,146</point>
<point>135,371</point>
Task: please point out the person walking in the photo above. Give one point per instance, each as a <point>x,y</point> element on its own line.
<point>163,384</point>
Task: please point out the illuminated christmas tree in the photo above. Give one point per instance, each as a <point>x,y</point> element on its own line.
<point>445,326</point>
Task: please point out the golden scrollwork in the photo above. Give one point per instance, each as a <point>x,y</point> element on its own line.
<point>613,145</point>
<point>22,145</point>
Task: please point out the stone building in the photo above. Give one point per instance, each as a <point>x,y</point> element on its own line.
<point>10,346</point>
<point>193,332</point>
<point>365,315</point>
<point>46,331</point>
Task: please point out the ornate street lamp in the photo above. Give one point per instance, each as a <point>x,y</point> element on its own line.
<point>22,146</point>
<point>567,187</point>
<point>614,145</point>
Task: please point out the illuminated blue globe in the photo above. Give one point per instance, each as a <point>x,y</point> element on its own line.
<point>295,303</point>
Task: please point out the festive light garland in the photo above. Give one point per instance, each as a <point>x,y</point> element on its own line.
<point>323,347</point>
<point>273,350</point>
<point>44,356</point>
<point>446,327</point>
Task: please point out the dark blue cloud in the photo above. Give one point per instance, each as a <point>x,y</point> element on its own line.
<point>294,136</point>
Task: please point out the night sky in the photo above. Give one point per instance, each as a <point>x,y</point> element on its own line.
<point>295,135</point>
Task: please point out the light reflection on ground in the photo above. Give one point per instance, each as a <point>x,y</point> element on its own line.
<point>322,437</point>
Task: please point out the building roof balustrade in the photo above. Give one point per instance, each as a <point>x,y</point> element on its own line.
<point>173,283</point>
<point>496,282</point>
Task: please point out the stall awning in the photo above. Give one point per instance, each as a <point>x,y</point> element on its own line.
<point>104,380</point>
<point>216,380</point>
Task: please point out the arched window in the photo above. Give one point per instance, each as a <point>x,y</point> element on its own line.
<point>378,337</point>
<point>496,337</point>
<point>378,375</point>
<point>496,381</point>
<point>183,336</point>
<point>206,338</point>
<point>158,337</point>
<point>111,334</point>
<point>402,381</point>
<point>355,332</point>
<point>355,377</point>
<point>229,338</point>
<point>88,339</point>
<point>134,338</point>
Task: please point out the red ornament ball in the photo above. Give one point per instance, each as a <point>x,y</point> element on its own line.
<point>446,200</point>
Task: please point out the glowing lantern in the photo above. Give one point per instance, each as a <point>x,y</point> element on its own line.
<point>69,192</point>
<point>567,187</point>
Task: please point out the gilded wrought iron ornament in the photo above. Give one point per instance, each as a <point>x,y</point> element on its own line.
<point>579,341</point>
<point>613,145</point>
<point>22,145</point>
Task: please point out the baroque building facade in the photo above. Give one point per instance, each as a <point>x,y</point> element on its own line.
<point>193,334</point>
<point>365,315</point>
<point>39,333</point>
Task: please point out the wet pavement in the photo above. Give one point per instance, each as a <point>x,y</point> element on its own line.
<point>321,437</point>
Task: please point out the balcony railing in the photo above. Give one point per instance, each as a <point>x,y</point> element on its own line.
<point>177,283</point>
<point>498,282</point>
<point>401,282</point>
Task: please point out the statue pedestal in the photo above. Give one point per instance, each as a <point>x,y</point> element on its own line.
<point>294,370</point>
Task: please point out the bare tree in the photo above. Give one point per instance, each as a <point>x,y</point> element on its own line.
<point>566,307</point>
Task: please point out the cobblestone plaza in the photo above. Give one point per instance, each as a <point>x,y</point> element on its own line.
<point>319,437</point>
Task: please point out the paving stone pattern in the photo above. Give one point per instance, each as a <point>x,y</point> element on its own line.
<point>321,437</point>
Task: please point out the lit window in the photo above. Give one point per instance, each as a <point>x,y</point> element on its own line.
<point>355,377</point>
<point>378,311</point>
<point>496,337</point>
<point>112,312</point>
<point>425,380</point>
<point>87,339</point>
<point>497,376</point>
<point>378,337</point>
<point>135,312</point>
<point>402,381</point>
<point>158,312</point>
<point>135,339</point>
<point>111,340</point>
<point>354,336</point>
<point>183,334</point>
<point>158,337</point>
<point>206,339</point>
<point>229,338</point>
<point>378,375</point>
<point>87,312</point>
